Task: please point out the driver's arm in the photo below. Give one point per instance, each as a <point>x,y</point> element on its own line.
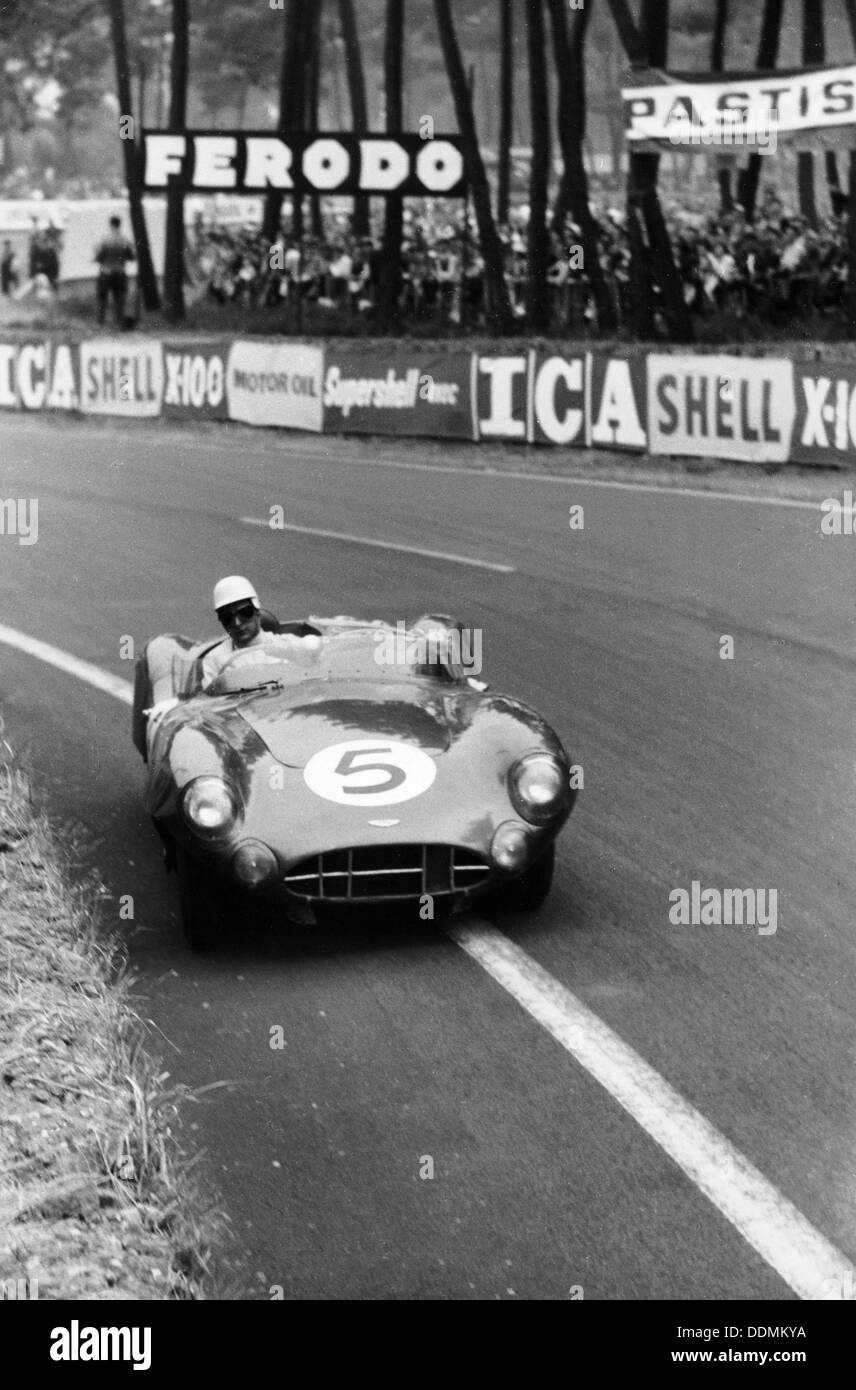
<point>214,661</point>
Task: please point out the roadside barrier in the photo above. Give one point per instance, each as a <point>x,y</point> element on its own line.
<point>748,409</point>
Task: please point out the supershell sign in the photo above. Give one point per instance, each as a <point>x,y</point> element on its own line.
<point>402,165</point>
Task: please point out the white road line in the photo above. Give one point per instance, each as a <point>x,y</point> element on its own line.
<point>667,491</point>
<point>772,1225</point>
<point>72,665</point>
<point>766,1220</point>
<point>382,545</point>
<point>296,453</point>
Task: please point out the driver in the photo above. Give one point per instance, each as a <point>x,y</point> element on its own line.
<point>236,604</point>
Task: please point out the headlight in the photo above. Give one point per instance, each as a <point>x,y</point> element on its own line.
<point>209,806</point>
<point>537,787</point>
<point>510,847</point>
<point>253,863</point>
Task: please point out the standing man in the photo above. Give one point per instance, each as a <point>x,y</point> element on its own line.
<point>8,269</point>
<point>112,255</point>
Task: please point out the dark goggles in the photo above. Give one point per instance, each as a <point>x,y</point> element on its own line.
<point>244,613</point>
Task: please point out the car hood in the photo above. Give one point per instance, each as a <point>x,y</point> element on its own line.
<point>472,737</point>
<point>294,725</point>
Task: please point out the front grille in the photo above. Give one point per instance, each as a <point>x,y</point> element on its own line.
<point>386,871</point>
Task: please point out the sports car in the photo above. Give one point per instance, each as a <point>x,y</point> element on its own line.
<point>340,768</point>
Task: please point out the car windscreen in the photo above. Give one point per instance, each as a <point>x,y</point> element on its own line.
<point>343,656</point>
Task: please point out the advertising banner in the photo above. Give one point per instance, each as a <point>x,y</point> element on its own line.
<point>275,384</point>
<point>120,377</point>
<point>804,106</point>
<point>533,396</point>
<point>250,161</point>
<point>8,376</point>
<point>724,407</point>
<point>39,375</point>
<point>825,428</point>
<point>373,391</point>
<point>195,379</point>
<point>558,389</point>
<point>502,396</point>
<point>619,402</point>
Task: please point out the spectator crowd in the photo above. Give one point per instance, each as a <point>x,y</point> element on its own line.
<point>40,271</point>
<point>772,271</point>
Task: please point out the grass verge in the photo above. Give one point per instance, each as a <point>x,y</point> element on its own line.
<point>98,1200</point>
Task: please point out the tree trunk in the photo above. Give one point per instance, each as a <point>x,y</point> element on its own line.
<point>851,246</point>
<point>837,195</point>
<point>496,289</point>
<point>131,156</point>
<point>240,109</point>
<point>615,118</point>
<point>173,279</point>
<point>569,58</point>
<point>389,288</point>
<point>813,51</point>
<point>630,35</point>
<point>833,182</point>
<point>141,92</point>
<point>850,11</point>
<point>768,54</point>
<point>538,318</point>
<point>290,104</point>
<point>313,93</point>
<point>717,64</point>
<point>641,272</point>
<point>656,257</point>
<point>720,28</point>
<point>357,93</point>
<point>506,108</point>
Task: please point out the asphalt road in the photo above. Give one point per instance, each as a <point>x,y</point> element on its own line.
<point>735,773</point>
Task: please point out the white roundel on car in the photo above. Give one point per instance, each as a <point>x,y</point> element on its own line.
<point>369,772</point>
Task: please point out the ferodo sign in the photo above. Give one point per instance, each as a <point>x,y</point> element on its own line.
<point>41,375</point>
<point>533,397</point>
<point>195,379</point>
<point>825,430</point>
<point>121,378</point>
<point>411,393</point>
<point>275,384</point>
<point>721,407</point>
<point>206,161</point>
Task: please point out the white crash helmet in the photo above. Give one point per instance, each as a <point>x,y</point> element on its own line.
<point>234,589</point>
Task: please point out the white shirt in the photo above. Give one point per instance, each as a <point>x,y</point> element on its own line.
<point>219,656</point>
<point>278,645</point>
<point>341,267</point>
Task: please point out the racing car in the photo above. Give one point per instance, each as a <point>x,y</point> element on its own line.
<point>315,779</point>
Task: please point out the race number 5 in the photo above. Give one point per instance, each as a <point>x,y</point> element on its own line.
<point>393,775</point>
<point>369,772</point>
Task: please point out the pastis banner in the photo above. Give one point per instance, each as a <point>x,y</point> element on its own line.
<point>807,107</point>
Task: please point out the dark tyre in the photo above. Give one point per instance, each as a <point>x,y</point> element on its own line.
<point>526,893</point>
<point>142,698</point>
<point>206,904</point>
